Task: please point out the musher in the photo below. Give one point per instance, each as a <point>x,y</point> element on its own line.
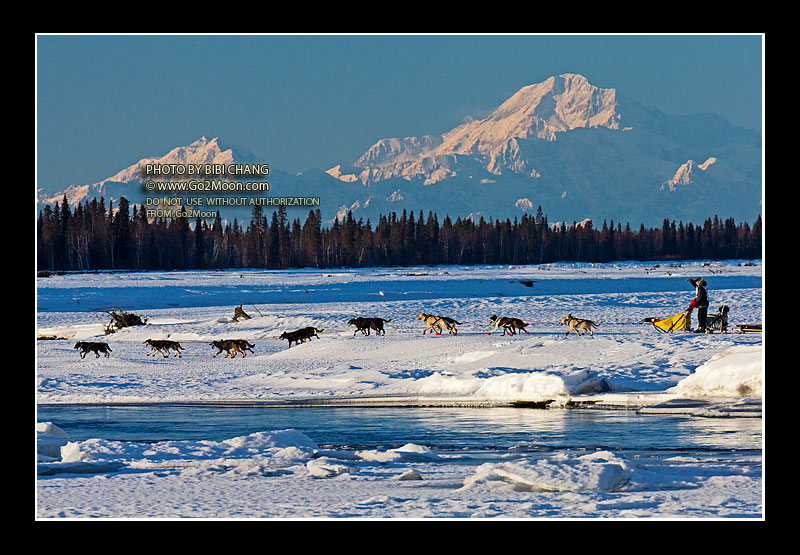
<point>700,302</point>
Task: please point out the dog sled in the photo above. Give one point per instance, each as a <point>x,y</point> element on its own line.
<point>679,322</point>
<point>719,321</point>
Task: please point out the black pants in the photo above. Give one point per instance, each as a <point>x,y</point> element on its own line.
<point>702,312</point>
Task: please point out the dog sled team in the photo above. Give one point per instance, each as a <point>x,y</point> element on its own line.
<point>437,324</point>
<point>433,323</point>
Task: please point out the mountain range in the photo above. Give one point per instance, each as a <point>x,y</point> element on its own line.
<point>576,150</point>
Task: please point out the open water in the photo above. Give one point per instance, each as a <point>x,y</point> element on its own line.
<point>436,428</point>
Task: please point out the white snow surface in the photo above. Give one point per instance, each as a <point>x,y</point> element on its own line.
<point>626,364</point>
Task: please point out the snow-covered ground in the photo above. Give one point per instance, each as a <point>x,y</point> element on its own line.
<point>284,473</point>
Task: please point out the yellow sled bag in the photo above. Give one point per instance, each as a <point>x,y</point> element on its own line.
<point>678,322</point>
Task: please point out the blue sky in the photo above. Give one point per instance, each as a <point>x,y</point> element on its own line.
<point>301,102</point>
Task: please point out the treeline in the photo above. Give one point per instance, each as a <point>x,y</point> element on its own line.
<point>93,236</point>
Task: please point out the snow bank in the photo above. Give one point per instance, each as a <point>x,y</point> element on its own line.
<point>257,450</point>
<point>736,372</point>
<point>49,441</point>
<point>55,453</point>
<point>409,452</point>
<point>257,453</point>
<point>275,444</point>
<point>326,467</point>
<point>534,385</point>
<point>600,471</point>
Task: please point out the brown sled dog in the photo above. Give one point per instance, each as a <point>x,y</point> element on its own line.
<point>163,346</point>
<point>437,323</point>
<point>365,324</point>
<point>510,325</point>
<point>95,347</point>
<point>232,346</point>
<point>577,324</point>
<point>242,345</point>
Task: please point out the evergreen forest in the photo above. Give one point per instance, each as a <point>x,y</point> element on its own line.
<point>95,236</point>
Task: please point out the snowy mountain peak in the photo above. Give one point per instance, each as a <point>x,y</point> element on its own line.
<point>201,151</point>
<point>573,148</point>
<point>686,173</point>
<point>539,111</point>
<point>558,104</point>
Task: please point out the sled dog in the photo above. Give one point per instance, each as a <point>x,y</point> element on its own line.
<point>365,324</point>
<point>300,336</point>
<point>163,346</point>
<point>450,324</point>
<point>232,346</point>
<point>510,325</point>
<point>95,347</point>
<point>242,345</point>
<point>311,331</point>
<point>431,322</point>
<point>577,324</point>
<point>436,323</point>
